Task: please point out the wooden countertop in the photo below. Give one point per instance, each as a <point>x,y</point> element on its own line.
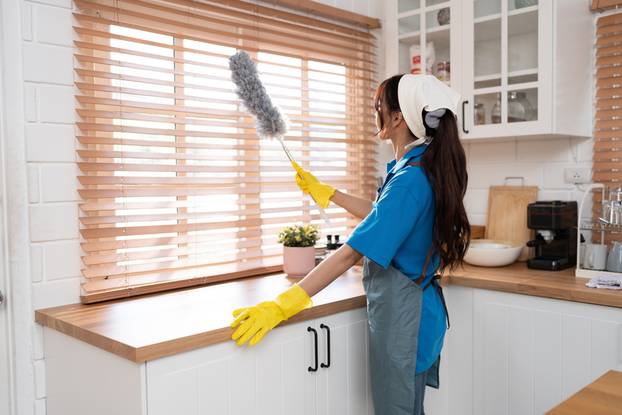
<point>601,397</point>
<point>518,279</point>
<point>158,325</point>
<point>149,327</point>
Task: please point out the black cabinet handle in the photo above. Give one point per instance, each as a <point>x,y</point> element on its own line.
<point>327,364</point>
<point>463,118</point>
<point>311,369</point>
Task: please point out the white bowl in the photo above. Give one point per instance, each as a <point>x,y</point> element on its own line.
<point>491,253</point>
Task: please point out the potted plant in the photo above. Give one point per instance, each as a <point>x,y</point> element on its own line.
<point>298,249</point>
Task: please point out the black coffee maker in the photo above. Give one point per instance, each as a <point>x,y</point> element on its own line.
<point>555,223</point>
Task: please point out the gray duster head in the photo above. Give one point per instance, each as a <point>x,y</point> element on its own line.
<point>270,122</point>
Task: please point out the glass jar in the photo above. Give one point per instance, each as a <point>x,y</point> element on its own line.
<point>480,114</point>
<point>442,71</point>
<point>519,107</point>
<point>495,114</point>
<point>516,109</point>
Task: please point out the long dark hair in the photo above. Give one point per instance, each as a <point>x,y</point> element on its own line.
<point>444,163</point>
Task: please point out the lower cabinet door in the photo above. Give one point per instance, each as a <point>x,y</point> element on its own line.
<point>269,378</point>
<point>343,386</point>
<point>531,353</point>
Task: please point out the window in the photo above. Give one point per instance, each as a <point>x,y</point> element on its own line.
<point>608,116</point>
<point>177,189</point>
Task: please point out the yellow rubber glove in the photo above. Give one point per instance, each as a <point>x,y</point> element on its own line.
<point>259,319</point>
<point>309,184</point>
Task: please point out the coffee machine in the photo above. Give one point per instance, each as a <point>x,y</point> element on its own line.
<point>555,223</point>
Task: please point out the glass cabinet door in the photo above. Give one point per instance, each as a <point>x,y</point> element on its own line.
<point>504,47</point>
<point>424,33</point>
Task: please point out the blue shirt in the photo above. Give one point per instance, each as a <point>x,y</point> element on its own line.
<point>399,231</point>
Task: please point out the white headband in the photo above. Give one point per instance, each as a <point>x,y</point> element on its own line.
<point>417,93</point>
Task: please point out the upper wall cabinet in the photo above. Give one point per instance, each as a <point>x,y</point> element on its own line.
<point>523,67</point>
<point>429,38</point>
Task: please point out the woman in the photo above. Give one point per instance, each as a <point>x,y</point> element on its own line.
<point>416,227</point>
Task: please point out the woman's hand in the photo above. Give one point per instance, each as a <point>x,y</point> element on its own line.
<point>323,194</point>
<point>309,184</point>
<point>254,322</point>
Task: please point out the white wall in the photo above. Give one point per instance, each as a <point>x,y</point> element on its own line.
<point>541,162</point>
<point>47,91</point>
<point>52,211</point>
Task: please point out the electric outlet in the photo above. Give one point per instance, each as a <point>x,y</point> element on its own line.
<point>577,175</point>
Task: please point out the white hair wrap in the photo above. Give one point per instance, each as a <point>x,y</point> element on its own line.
<point>419,93</point>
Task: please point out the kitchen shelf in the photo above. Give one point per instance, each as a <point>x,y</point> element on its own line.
<point>410,37</point>
<point>440,37</point>
<point>409,13</point>
<point>487,29</point>
<point>523,10</point>
<point>488,18</point>
<point>594,273</point>
<point>520,22</point>
<point>523,72</point>
<point>525,22</point>
<point>600,227</point>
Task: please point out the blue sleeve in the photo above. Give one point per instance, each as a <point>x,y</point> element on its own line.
<point>391,220</point>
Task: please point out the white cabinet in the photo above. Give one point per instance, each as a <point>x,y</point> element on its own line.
<point>272,377</point>
<point>505,354</point>
<point>523,67</point>
<point>432,26</point>
<point>343,387</point>
<point>517,354</point>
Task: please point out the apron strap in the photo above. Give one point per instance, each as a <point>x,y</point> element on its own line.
<point>437,286</point>
<point>425,267</point>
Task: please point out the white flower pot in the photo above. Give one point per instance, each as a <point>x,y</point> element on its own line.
<point>298,262</point>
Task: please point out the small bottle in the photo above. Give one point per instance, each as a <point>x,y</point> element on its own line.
<point>331,246</point>
<point>495,114</point>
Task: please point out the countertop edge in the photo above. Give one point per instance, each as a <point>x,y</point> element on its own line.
<point>595,296</point>
<point>186,343</point>
<point>102,342</point>
<point>209,338</point>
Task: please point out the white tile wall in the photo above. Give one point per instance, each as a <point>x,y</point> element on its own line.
<point>540,161</point>
<point>48,63</point>
<point>41,136</point>
<point>51,222</point>
<point>50,154</point>
<point>61,259</point>
<point>59,182</point>
<point>55,103</point>
<point>54,25</point>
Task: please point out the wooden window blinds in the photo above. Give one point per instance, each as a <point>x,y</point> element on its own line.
<point>176,187</point>
<point>607,165</point>
<point>608,127</point>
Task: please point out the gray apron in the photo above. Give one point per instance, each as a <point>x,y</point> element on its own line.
<point>394,313</point>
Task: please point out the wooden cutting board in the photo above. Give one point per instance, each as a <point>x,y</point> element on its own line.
<point>507,215</point>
